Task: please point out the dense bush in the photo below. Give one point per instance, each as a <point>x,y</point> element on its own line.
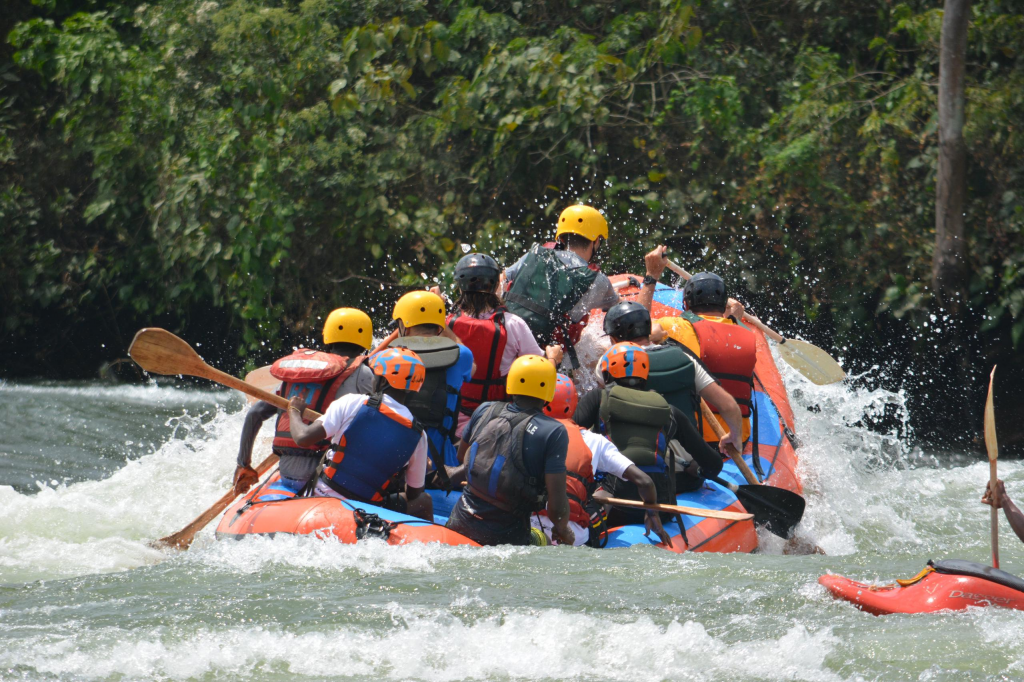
<point>238,168</point>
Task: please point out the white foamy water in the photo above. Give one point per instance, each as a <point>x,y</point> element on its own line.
<point>83,597</point>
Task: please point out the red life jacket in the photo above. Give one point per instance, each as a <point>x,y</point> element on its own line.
<point>486,337</point>
<point>579,474</point>
<point>317,377</point>
<point>729,353</point>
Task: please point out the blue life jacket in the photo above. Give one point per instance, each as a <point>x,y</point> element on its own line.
<point>371,452</point>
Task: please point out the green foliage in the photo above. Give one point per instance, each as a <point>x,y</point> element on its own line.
<point>244,166</point>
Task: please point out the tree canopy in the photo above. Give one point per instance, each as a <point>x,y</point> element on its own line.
<point>239,168</point>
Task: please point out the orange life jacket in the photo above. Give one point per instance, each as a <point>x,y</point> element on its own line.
<point>579,473</point>
<point>487,338</point>
<point>729,353</point>
<point>316,377</point>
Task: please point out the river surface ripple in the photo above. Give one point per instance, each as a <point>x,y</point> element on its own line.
<point>89,473</point>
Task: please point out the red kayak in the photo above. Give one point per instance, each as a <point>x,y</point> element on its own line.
<point>950,585</point>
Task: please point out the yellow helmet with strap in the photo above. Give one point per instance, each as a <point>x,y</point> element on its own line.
<point>585,221</point>
<point>420,307</point>
<point>533,376</point>
<point>348,325</point>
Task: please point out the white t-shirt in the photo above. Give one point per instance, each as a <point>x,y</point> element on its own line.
<point>342,411</point>
<point>606,457</point>
<point>701,377</point>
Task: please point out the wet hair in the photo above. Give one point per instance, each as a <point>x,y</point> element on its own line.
<point>476,302</point>
<point>528,402</point>
<point>571,240</point>
<point>708,309</point>
<point>639,383</point>
<point>347,350</point>
<point>424,329</point>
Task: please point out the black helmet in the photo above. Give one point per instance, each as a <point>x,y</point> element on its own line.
<point>627,320</point>
<point>705,290</point>
<point>477,272</point>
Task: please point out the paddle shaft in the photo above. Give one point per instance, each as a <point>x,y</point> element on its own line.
<point>678,509</point>
<point>741,464</point>
<point>226,379</point>
<point>183,538</point>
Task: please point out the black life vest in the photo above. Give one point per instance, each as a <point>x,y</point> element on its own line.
<point>673,376</point>
<point>496,471</point>
<point>486,337</point>
<point>316,377</point>
<point>435,405</point>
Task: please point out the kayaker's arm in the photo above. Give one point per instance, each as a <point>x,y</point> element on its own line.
<point>303,434</point>
<point>1013,514</point>
<point>558,508</point>
<point>649,494</point>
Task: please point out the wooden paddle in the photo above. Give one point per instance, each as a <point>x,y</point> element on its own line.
<point>777,509</point>
<point>818,366</point>
<point>992,445</point>
<point>677,509</point>
<point>184,537</point>
<point>160,352</point>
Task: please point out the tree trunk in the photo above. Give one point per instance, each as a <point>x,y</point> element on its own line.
<point>949,265</point>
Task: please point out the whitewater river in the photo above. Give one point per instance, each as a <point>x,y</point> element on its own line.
<point>89,473</point>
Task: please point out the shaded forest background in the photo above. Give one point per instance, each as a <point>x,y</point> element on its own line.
<point>233,170</point>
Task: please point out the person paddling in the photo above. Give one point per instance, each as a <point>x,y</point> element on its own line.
<point>589,455</point>
<point>319,378</point>
<point>514,462</point>
<point>674,374</point>
<point>422,327</point>
<point>495,336</point>
<point>1013,514</point>
<point>641,423</point>
<point>374,439</point>
<point>709,329</point>
<point>555,286</point>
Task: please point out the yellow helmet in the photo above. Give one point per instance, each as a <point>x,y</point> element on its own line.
<point>532,375</point>
<point>586,221</point>
<point>420,307</point>
<point>348,325</point>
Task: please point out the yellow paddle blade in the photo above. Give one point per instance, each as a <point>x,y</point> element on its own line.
<point>991,444</point>
<point>262,378</point>
<point>814,363</point>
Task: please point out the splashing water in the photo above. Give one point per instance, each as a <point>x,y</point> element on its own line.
<point>82,596</point>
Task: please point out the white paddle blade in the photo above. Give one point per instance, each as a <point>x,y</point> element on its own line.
<point>814,363</point>
<point>991,444</point>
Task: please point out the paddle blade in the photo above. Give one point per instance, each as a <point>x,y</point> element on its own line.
<point>262,378</point>
<point>778,509</point>
<point>814,363</point>
<point>991,444</point>
<point>161,352</point>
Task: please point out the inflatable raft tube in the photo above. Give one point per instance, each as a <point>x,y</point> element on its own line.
<point>950,585</point>
<point>259,513</point>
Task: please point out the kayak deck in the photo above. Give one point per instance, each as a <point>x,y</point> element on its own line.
<point>942,586</point>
